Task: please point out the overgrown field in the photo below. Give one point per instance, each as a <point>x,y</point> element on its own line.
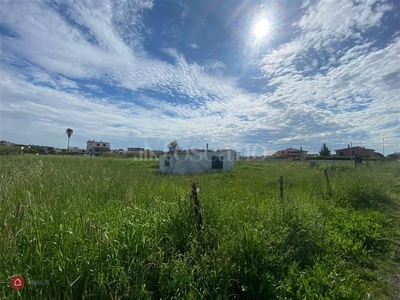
<point>99,228</point>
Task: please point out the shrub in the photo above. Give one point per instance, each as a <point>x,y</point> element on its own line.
<point>362,194</point>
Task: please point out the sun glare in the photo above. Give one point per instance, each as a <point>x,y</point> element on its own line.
<point>261,28</point>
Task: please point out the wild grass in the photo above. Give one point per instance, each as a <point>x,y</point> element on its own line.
<point>97,228</point>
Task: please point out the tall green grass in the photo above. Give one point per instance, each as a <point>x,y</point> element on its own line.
<point>96,228</point>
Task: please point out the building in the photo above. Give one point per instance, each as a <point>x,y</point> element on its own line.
<point>77,150</point>
<point>97,148</point>
<point>118,151</point>
<point>352,151</point>
<point>299,154</point>
<point>196,161</point>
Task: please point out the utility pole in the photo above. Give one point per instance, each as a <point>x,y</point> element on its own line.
<point>383,147</point>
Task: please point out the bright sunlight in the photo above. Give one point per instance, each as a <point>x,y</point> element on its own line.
<point>261,28</point>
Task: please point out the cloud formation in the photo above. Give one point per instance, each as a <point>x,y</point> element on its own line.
<point>93,66</point>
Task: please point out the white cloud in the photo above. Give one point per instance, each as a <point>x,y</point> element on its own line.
<point>355,94</point>
<point>194,46</point>
<point>329,21</point>
<point>317,91</point>
<point>98,52</point>
<point>53,109</point>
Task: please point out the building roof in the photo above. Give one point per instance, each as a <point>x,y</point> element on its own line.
<point>354,148</point>
<point>93,141</point>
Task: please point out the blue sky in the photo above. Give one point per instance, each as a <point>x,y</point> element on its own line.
<point>142,73</point>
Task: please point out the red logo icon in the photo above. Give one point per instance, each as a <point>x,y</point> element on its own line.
<point>17,282</point>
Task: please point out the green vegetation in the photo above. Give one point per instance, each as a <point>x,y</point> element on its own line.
<point>9,150</point>
<point>137,155</point>
<point>325,151</point>
<point>173,146</point>
<point>105,228</point>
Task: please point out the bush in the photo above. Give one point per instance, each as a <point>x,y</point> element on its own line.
<point>361,194</point>
<point>9,150</point>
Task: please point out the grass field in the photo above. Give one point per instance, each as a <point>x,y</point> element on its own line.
<point>99,228</point>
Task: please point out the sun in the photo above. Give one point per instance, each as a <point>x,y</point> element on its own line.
<point>261,28</point>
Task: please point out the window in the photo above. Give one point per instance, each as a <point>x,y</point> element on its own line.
<point>167,161</point>
<point>341,153</point>
<point>217,162</point>
<point>90,150</point>
<point>104,145</point>
<point>98,144</point>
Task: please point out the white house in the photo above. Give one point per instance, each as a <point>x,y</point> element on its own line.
<point>197,161</point>
<point>97,148</point>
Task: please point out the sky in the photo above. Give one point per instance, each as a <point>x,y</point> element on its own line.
<point>254,76</point>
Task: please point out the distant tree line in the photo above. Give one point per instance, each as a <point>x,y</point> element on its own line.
<point>146,154</point>
<point>9,150</point>
<point>23,149</point>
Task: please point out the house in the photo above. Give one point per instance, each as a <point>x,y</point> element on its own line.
<point>196,161</point>
<point>352,151</point>
<point>118,151</point>
<point>76,150</point>
<point>299,154</point>
<point>97,148</point>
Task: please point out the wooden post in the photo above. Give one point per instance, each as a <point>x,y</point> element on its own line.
<point>197,211</point>
<point>327,182</point>
<point>20,211</point>
<point>281,187</point>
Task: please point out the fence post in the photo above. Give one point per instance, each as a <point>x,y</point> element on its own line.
<point>281,187</point>
<point>197,211</point>
<point>327,182</point>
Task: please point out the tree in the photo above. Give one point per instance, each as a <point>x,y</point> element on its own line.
<point>9,150</point>
<point>380,155</point>
<point>325,150</point>
<point>69,132</point>
<point>173,146</point>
